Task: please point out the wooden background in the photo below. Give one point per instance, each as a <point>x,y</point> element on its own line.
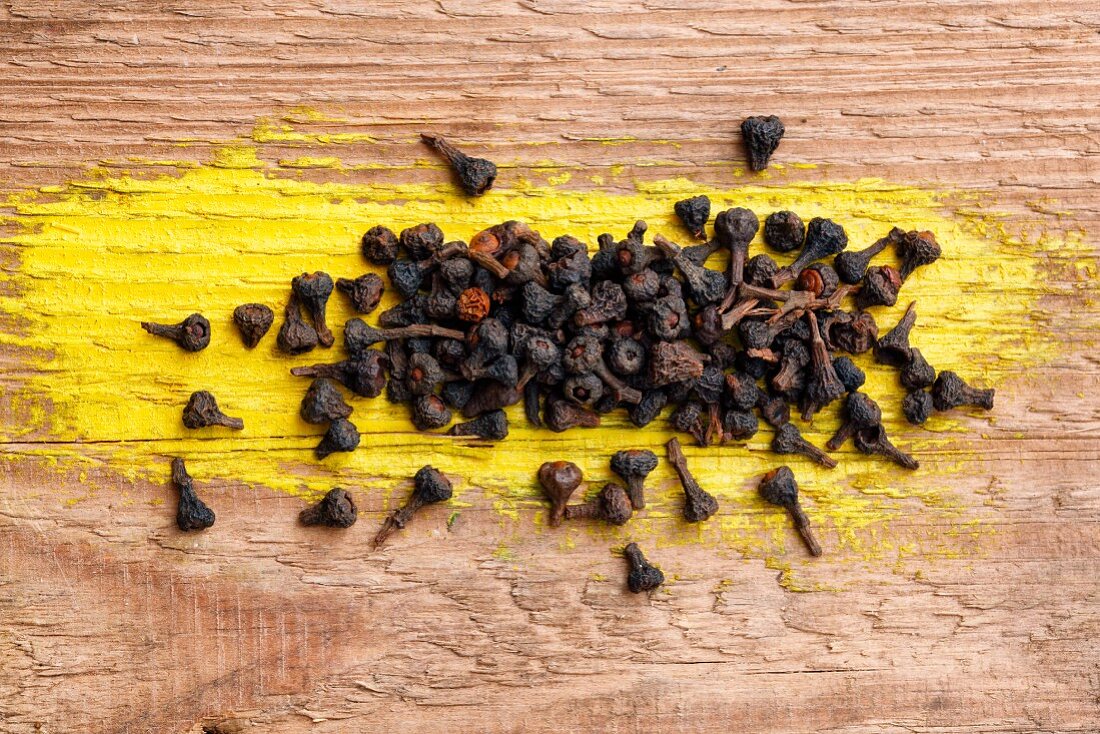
<point>123,629</point>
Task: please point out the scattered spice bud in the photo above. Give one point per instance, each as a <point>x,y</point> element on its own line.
<point>788,440</point>
<point>611,505</point>
<point>917,249</point>
<point>873,440</point>
<point>342,435</point>
<point>253,321</point>
<point>852,265</point>
<point>358,337</point>
<point>429,486</point>
<point>323,403</point>
<point>430,412</point>
<point>559,479</point>
<point>762,136</point>
<point>475,175</point>
<point>823,386</point>
<point>295,335</point>
<point>193,333</point>
<point>643,576</point>
<point>698,503</point>
<point>819,279</point>
<point>949,391</point>
<point>380,245</point>
<point>191,512</point>
<point>364,292</point>
<point>893,349</point>
<point>780,488</point>
<point>917,374</point>
<point>335,510</point>
<point>734,229</point>
<point>784,232</point>
<point>851,376</point>
<point>824,237</point>
<point>473,305</point>
<point>634,465</point>
<point>880,287</point>
<point>860,411</point>
<point>694,213</point>
<point>202,411</point>
<point>422,240</point>
<point>365,375</point>
<point>492,426</point>
<point>917,406</point>
<point>313,291</point>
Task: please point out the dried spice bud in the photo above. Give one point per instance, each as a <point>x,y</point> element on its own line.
<point>819,279</point>
<point>762,136</point>
<point>335,510</point>
<point>407,313</point>
<point>851,376</point>
<point>775,411</point>
<point>822,386</point>
<point>608,304</point>
<point>915,250</point>
<point>671,362</point>
<point>489,395</point>
<point>759,270</point>
<point>788,440</point>
<point>253,321</point>
<point>918,373</point>
<point>492,426</point>
<point>824,237</point>
<point>893,348</point>
<point>648,408</point>
<point>784,231</point>
<point>473,305</point>
<point>949,391</point>
<point>704,285</point>
<point>191,512</point>
<point>380,245</point>
<point>880,287</point>
<point>873,440</point>
<point>429,412</point>
<point>365,375</point>
<point>611,505</point>
<point>422,240</point>
<point>313,291</point>
<point>429,487</point>
<point>559,479</point>
<point>295,335</point>
<point>626,356</point>
<point>358,337</point>
<point>694,213</point>
<point>643,576</point>
<point>193,333</point>
<point>851,265</point>
<point>202,411</point>
<point>698,503</point>
<point>408,276</point>
<point>860,411</point>
<point>560,415</point>
<point>852,333</point>
<point>741,391</point>
<point>457,393</point>
<point>779,488</point>
<point>791,377</point>
<point>734,229</point>
<point>692,418</point>
<point>583,389</point>
<point>364,292</point>
<point>633,466</point>
<point>917,406</point>
<point>738,425</point>
<point>667,318</point>
<point>475,175</point>
<point>342,435</point>
<point>424,374</point>
<point>323,403</point>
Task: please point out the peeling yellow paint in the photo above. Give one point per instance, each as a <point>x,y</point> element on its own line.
<point>98,255</point>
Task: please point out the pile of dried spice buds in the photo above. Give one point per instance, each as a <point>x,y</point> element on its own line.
<point>511,318</point>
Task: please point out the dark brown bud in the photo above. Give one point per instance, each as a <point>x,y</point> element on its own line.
<point>893,348</point>
<point>475,175</point>
<point>191,512</point>
<point>779,488</point>
<point>193,333</point>
<point>295,335</point>
<point>364,292</point>
<point>698,503</point>
<point>784,231</point>
<point>323,403</point>
<point>949,391</point>
<point>634,466</point>
<point>611,505</point>
<point>694,213</point>
<point>429,486</point>
<point>380,245</point>
<point>873,440</point>
<point>313,291</point>
<point>559,479</point>
<point>788,440</point>
<point>917,249</point>
<point>342,435</point>
<point>762,136</point>
<point>335,510</point>
<point>643,576</point>
<point>202,411</point>
<point>253,321</point>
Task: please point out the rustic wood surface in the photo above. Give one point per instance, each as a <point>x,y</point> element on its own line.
<point>110,621</point>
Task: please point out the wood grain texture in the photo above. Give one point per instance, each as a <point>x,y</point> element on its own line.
<point>112,621</point>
